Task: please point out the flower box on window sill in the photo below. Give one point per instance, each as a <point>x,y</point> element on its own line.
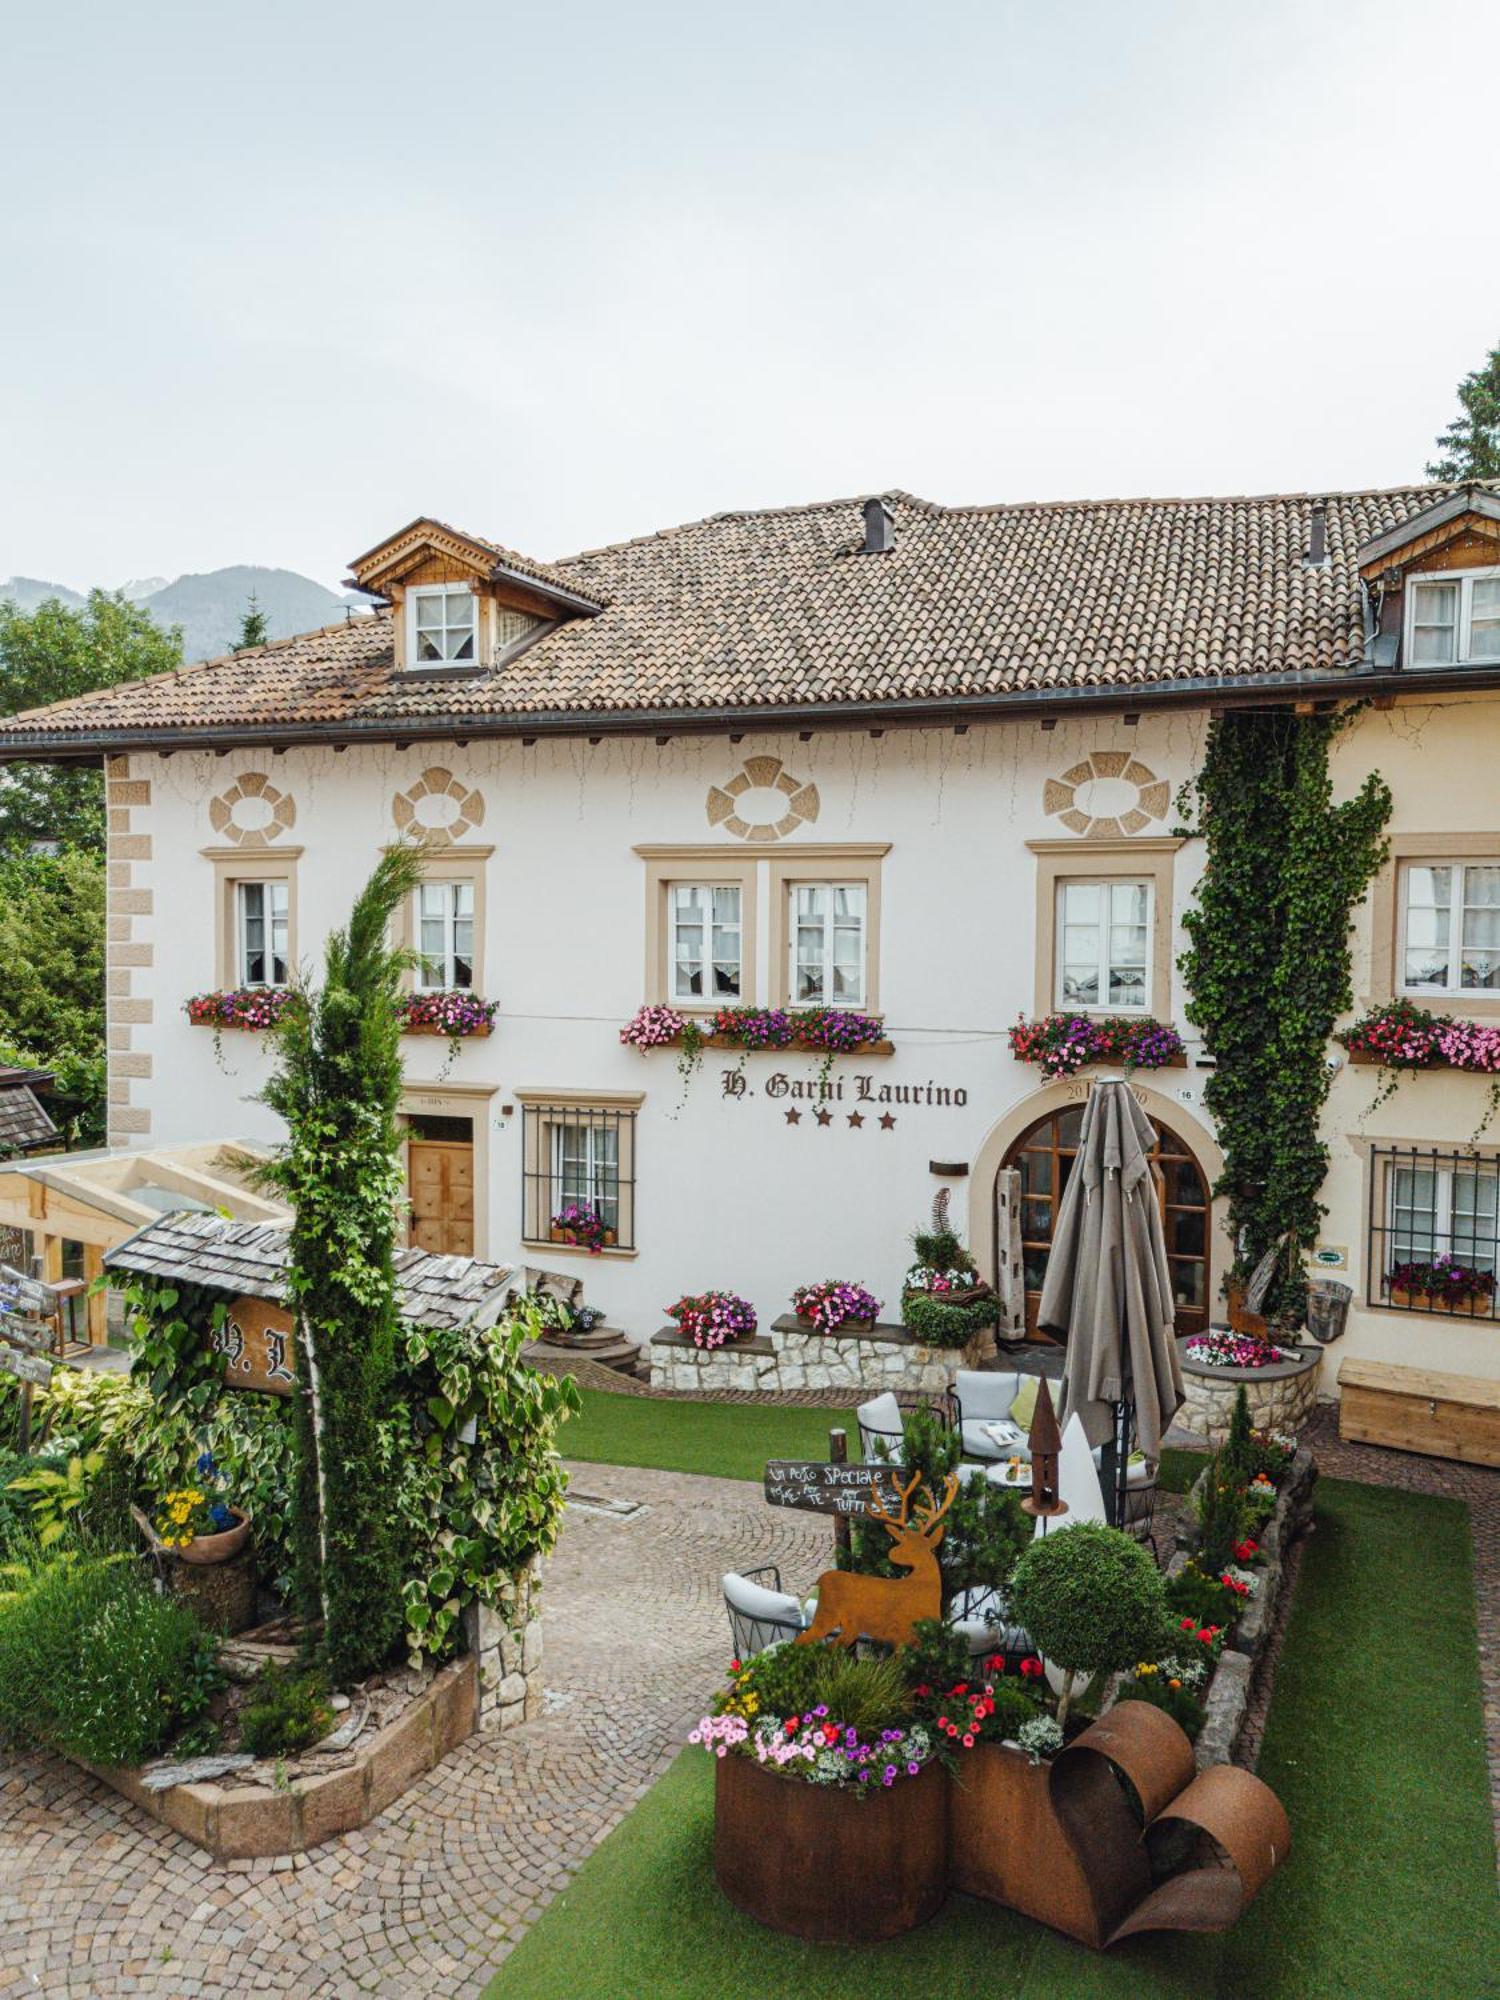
<point>456,1016</point>
<point>556,1249</point>
<point>251,1010</point>
<point>556,1234</point>
<point>827,1032</point>
<point>1435,1302</point>
<point>1403,1036</point>
<point>1062,1044</point>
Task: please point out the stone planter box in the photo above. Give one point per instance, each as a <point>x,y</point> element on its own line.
<point>1228,1693</point>
<point>796,1356</point>
<point>1281,1397</point>
<point>814,1862</point>
<point>496,1684</point>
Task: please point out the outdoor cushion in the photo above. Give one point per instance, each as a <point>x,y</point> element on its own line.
<point>986,1399</point>
<point>758,1602</point>
<point>1023,1409</point>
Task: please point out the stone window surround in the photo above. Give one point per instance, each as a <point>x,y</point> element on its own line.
<point>532,1099</point>
<point>233,865</point>
<point>1139,857</point>
<point>814,861</point>
<point>1385,920</point>
<point>453,1100</point>
<point>448,864</point>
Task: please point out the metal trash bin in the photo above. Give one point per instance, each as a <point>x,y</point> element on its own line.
<point>1327,1308</point>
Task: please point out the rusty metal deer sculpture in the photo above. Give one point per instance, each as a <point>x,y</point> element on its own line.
<point>886,1607</point>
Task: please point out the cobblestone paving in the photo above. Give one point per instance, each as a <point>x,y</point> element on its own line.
<point>430,1897</point>
<point>95,1900</point>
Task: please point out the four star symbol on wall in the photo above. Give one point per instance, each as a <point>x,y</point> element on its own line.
<point>824,1116</point>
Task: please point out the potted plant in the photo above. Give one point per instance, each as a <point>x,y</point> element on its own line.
<point>1441,1285</point>
<point>944,1301</point>
<point>836,1304</point>
<point>197,1524</point>
<point>457,1014</point>
<point>820,1754</point>
<point>713,1319</point>
<point>576,1222</point>
<point>1091,1599</point>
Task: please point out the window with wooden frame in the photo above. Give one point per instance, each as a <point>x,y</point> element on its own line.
<point>1434,1231</point>
<point>1104,914</point>
<point>445,935</point>
<point>826,942</point>
<point>442,625</point>
<point>1454,619</point>
<point>1103,929</point>
<point>262,918</point>
<point>1450,927</point>
<point>578,1160</point>
<point>705,943</point>
<point>255,915</point>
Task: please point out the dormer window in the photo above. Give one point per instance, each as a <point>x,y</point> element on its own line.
<point>1455,620</point>
<point>444,626</point>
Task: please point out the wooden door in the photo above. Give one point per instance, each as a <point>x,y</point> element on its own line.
<point>1044,1157</point>
<point>440,1174</point>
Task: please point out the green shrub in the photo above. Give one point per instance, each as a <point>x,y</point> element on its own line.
<point>781,1679</point>
<point>983,1531</point>
<point>939,1323</point>
<point>1193,1593</point>
<point>287,1711</point>
<point>1180,1703</point>
<point>862,1694</point>
<point>1092,1600</point>
<point>1237,1453</point>
<point>93,1662</point>
<point>938,1657</point>
<point>1014,1707</point>
<point>1219,1507</point>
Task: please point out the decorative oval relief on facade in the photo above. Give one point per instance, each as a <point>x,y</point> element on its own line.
<point>1107,795</point>
<point>762,801</point>
<point>438,807</point>
<point>252,813</point>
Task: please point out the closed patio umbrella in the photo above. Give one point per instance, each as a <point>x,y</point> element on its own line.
<point>1108,1289</point>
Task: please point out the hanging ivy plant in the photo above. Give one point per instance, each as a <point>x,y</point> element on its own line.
<point>1268,968</point>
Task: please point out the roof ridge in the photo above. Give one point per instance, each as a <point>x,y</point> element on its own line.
<point>186,667</point>
<point>944,508</point>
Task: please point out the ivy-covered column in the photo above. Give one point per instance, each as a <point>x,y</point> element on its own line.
<point>1268,966</point>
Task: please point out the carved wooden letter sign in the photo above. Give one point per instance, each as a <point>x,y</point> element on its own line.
<point>256,1343</point>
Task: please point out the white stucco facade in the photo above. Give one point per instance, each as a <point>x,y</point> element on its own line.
<point>970,840</point>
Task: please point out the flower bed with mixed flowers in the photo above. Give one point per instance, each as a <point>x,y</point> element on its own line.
<point>835,1303</point>
<point>1221,1349</point>
<point>819,1030</point>
<point>456,1014</point>
<point>1062,1044</point>
<point>256,1009</point>
<point>713,1319</point>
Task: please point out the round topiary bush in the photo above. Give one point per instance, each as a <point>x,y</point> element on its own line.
<point>1091,1599</point>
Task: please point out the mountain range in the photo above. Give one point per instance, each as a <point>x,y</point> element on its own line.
<point>210,606</point>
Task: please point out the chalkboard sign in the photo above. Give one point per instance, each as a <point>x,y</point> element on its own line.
<point>816,1488</point>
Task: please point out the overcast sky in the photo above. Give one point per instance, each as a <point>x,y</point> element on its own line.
<point>279,277</point>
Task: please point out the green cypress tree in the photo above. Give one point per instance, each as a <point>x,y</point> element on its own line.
<point>1237,1457</point>
<point>254,629</point>
<point>337,1084</point>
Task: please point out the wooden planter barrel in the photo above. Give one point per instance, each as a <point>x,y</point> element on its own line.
<point>820,1864</point>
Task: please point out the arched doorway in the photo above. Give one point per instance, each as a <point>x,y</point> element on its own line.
<point>1044,1155</point>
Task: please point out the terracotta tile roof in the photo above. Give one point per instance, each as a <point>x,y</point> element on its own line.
<point>778,610</point>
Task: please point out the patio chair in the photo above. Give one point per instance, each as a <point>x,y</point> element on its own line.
<point>983,1618</point>
<point>882,1434</point>
<point>982,1400</point>
<point>760,1615</point>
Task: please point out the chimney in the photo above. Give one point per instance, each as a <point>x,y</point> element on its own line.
<point>1317,536</point>
<point>880,529</point>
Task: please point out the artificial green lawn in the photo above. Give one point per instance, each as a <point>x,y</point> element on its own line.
<point>733,1440</point>
<point>1375,1744</point>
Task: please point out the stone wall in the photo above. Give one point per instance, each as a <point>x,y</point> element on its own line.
<point>505,1639</point>
<point>1281,1399</point>
<point>796,1356</point>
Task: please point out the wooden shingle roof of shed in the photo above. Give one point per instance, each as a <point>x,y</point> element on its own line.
<point>249,1259</point>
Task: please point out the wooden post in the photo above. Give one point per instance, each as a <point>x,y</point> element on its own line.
<point>838,1454</point>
